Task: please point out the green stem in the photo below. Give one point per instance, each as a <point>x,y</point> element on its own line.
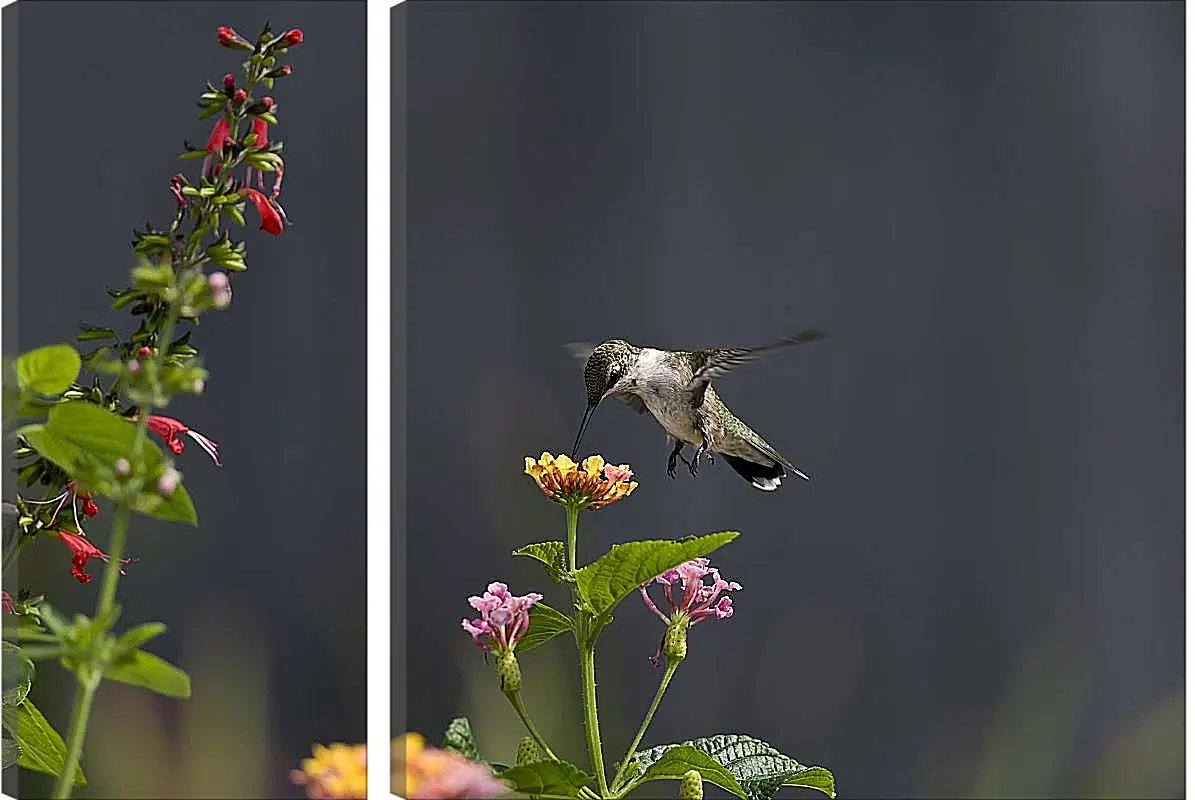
<point>651,712</point>
<point>589,700</point>
<point>84,695</point>
<point>588,794</point>
<point>571,514</point>
<point>516,700</point>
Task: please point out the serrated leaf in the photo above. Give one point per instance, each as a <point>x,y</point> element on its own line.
<point>48,370</point>
<point>42,749</point>
<point>759,768</point>
<point>545,623</point>
<point>18,675</point>
<point>546,779</point>
<point>551,555</point>
<point>146,670</point>
<point>678,759</point>
<point>9,753</point>
<point>458,736</point>
<point>605,582</point>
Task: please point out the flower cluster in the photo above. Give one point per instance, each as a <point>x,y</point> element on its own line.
<point>504,618</point>
<point>592,484</point>
<point>335,772</point>
<point>419,772</point>
<point>698,601</point>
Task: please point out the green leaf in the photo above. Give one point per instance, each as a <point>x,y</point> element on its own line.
<point>139,635</point>
<point>9,753</point>
<point>90,333</point>
<point>79,437</point>
<point>605,582</point>
<point>546,779</point>
<point>140,668</point>
<point>678,759</point>
<point>551,555</point>
<point>545,623</point>
<point>459,737</point>
<point>18,675</point>
<point>758,767</point>
<point>42,749</point>
<point>48,370</point>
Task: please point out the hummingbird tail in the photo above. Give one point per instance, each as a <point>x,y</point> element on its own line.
<point>762,477</point>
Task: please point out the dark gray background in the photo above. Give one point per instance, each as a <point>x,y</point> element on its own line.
<point>981,593</point>
<point>266,599</point>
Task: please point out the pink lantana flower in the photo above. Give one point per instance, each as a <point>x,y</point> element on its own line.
<point>504,618</point>
<point>170,430</point>
<point>698,600</point>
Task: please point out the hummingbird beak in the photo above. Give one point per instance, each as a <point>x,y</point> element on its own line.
<point>584,424</point>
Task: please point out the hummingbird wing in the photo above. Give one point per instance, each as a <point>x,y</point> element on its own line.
<point>714,363</point>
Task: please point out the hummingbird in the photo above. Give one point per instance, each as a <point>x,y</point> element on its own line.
<point>676,387</point>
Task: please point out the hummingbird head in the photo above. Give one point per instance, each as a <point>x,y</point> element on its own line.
<point>605,366</point>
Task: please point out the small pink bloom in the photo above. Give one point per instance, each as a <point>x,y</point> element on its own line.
<point>81,552</point>
<point>168,481</point>
<point>122,467</point>
<point>504,617</point>
<point>170,429</point>
<point>6,605</point>
<point>698,600</point>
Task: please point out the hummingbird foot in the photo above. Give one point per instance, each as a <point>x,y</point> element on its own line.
<point>676,448</point>
<point>697,458</point>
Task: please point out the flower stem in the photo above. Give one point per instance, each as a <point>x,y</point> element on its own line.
<point>90,672</point>
<point>84,695</point>
<point>571,514</point>
<point>589,700</point>
<point>651,712</point>
<point>516,700</point>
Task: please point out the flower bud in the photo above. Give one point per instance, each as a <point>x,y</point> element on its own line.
<point>280,72</point>
<point>510,678</point>
<point>168,482</point>
<point>690,785</point>
<point>197,386</point>
<point>90,509</point>
<point>229,82</point>
<point>268,102</point>
<point>528,751</point>
<point>676,640</point>
<point>221,292</point>
<point>133,367</point>
<point>122,467</point>
<point>293,37</point>
<point>239,96</point>
<point>229,38</point>
<point>143,353</point>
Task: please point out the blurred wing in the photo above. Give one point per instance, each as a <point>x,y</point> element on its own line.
<point>711,364</point>
<point>580,350</point>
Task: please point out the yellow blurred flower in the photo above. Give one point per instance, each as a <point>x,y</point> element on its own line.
<point>418,772</point>
<point>591,484</point>
<point>334,772</point>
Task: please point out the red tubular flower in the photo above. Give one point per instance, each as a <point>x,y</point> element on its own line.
<point>215,142</point>
<point>261,132</point>
<point>6,603</point>
<point>293,37</point>
<point>269,211</point>
<point>170,430</point>
<point>81,552</point>
<point>229,38</point>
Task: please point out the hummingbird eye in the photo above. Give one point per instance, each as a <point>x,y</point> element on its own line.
<point>615,374</point>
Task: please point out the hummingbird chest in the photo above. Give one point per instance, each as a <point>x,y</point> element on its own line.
<point>661,388</point>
